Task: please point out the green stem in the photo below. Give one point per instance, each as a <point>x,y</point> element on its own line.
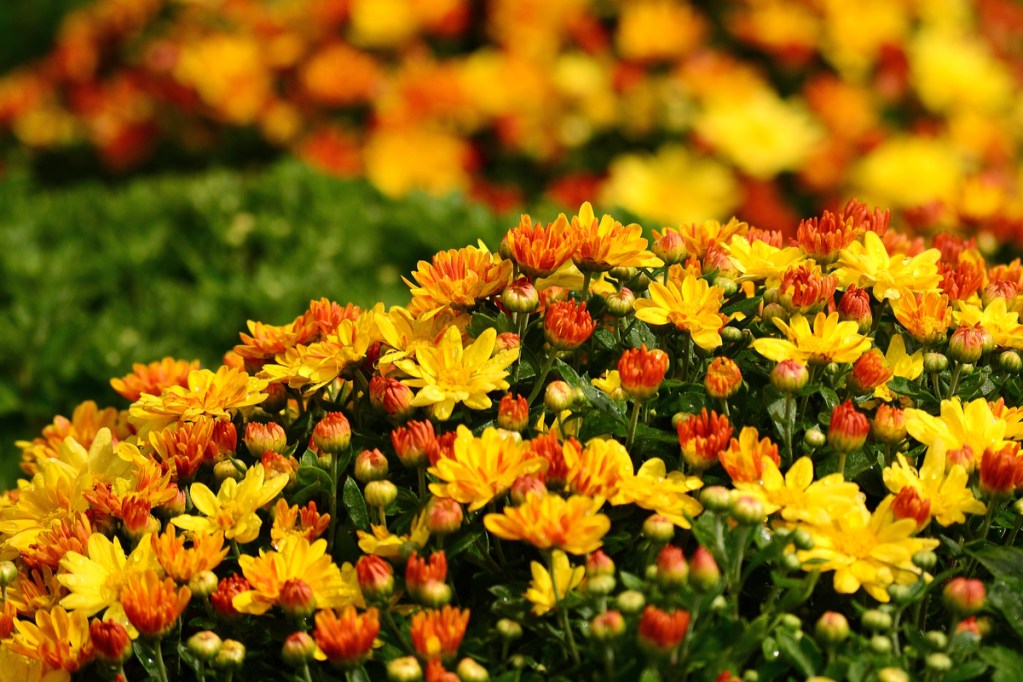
<point>587,276</point>
<point>396,631</point>
<point>841,463</point>
<point>1015,531</point>
<point>562,612</point>
<point>421,472</point>
<point>159,661</point>
<point>305,673</point>
<point>953,385</point>
<point>636,406</point>
<point>790,424</point>
<point>544,371</point>
<point>332,504</point>
<point>520,328</point>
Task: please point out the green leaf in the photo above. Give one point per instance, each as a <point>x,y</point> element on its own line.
<point>801,652</point>
<point>1003,562</point>
<point>966,671</point>
<point>631,581</point>
<point>1007,664</point>
<point>313,476</point>
<point>1006,596</point>
<point>355,503</point>
<point>464,540</point>
<point>742,306</point>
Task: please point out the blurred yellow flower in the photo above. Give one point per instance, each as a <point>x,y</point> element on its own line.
<point>830,340</point>
<point>541,592</point>
<point>951,70</point>
<point>995,318</point>
<point>880,177</point>
<point>229,73</point>
<point>552,522</point>
<point>233,509</point>
<point>439,166</point>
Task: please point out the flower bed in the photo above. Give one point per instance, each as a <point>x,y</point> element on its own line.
<point>709,457</point>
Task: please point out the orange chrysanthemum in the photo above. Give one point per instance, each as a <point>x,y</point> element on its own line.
<point>205,554</point>
<point>346,637</point>
<point>86,421</point>
<point>962,280</point>
<point>823,238</point>
<point>702,438</point>
<point>662,631</point>
<point>641,371</point>
<point>539,250</point>
<point>552,522</point>
<point>421,573</point>
<point>805,289</point>
<point>323,318</point>
<point>65,535</point>
<point>153,605</point>
<point>59,639</point>
<point>437,633</point>
<point>294,520</point>
<point>869,371</point>
<point>926,316</point>
<point>744,457</point>
<point>723,378</point>
<point>549,447</point>
<point>567,324</point>
<point>598,469</point>
<point>185,446</point>
<point>458,279</point>
<point>154,377</point>
<point>699,237</point>
<point>605,243</point>
<point>264,341</point>
<point>1001,471</point>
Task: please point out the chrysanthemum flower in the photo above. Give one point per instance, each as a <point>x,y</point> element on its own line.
<point>798,496</point>
<point>996,319</point>
<point>565,578</point>
<point>698,237</point>
<point>662,631</point>
<point>742,459</point>
<point>404,333</point>
<point>391,546</point>
<point>823,238</point>
<point>60,640</point>
<point>660,491</point>
<point>759,261</point>
<point>901,365</point>
<point>298,521</point>
<point>205,554</point>
<point>869,372</point>
<point>185,446</point>
<point>908,504</point>
<point>641,371</point>
<point>868,264</point>
<point>228,588</point>
<point>86,422</point>
<point>567,325</point>
<point>691,305</point>
<point>233,509</point>
<point>926,316</point>
<point>828,341</point>
<point>296,559</point>
<point>421,573</point>
<point>973,424</point>
<point>944,485</point>
<point>209,394</point>
<point>448,374</point>
<point>855,306</point>
<point>552,522</point>
<point>1001,471</point>
<point>702,437</point>
<point>264,341</point>
<point>153,605</point>
<point>848,428</point>
<point>154,377</point>
<point>723,378</point>
<point>540,250</point>
<point>598,469</point>
<point>605,244</point>
<point>866,550</point>
<point>413,442</point>
<point>804,289</point>
<point>962,280</point>
<point>437,633</point>
<point>458,279</point>
<point>61,537</point>
<point>346,637</point>
<point>483,468</point>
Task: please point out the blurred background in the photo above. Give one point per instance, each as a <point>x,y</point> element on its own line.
<point>172,168</point>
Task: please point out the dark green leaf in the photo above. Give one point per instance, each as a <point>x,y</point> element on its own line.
<point>1007,664</point>
<point>1006,597</point>
<point>1003,562</point>
<point>970,670</point>
<point>355,503</point>
<point>801,652</point>
<point>463,540</point>
<point>742,306</point>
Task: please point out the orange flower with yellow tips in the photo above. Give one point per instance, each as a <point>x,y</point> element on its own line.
<point>297,560</point>
<point>154,377</point>
<point>449,373</point>
<point>925,315</point>
<point>264,341</point>
<point>63,536</point>
<point>691,305</point>
<point>597,469</point>
<point>552,522</point>
<point>538,250</point>
<point>604,244</point>
<point>458,279</point>
<point>829,340</point>
<point>743,459</point>
<point>86,422</point>
<point>345,638</point>
<point>58,639</point>
<point>205,554</point>
<point>153,605</point>
<point>209,394</point>
<point>437,633</point>
<point>698,237</point>
<point>480,469</point>
<point>297,521</point>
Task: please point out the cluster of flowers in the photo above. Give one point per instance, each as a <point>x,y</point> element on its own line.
<point>584,454</point>
<point>755,106</point>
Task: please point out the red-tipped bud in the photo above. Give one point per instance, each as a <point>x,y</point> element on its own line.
<point>832,628</point>
<point>964,596</point>
<point>620,303</point>
<point>297,598</point>
<point>889,425</point>
<point>376,577</point>
<point>659,529</point>
<point>332,434</point>
<point>391,396</point>
<point>848,429</point>
<point>526,484</point>
<point>855,306</point>
<point>225,439</point>
<point>660,632</point>
<point>558,396</point>
<point>963,456</point>
<point>260,437</point>
<point>520,296</point>
<point>567,325</point>
<point>869,371</point>
<point>298,650</point>
<point>641,371</point>
<point>672,570</point>
<point>1001,471</point>
<point>723,378</point>
<point>599,563</point>
<point>223,597</point>
<point>909,505</point>
<point>607,626</point>
<point>789,376</point>
<point>670,247</point>
<point>704,573</point>
<point>968,343</point>
<point>747,510</point>
<point>370,465</point>
<point>513,413</point>
<point>110,641</point>
<point>413,443</point>
<point>443,516</point>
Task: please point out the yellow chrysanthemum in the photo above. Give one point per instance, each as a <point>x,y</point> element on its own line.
<point>565,576</point>
<point>948,492</point>
<point>458,279</point>
<point>296,559</point>
<point>866,550</point>
<point>209,394</point>
<point>233,509</point>
<point>660,491</point>
<point>84,425</point>
<point>448,374</point>
<point>798,496</point>
<point>868,265</point>
<point>552,522</point>
<point>406,333</point>
<point>902,365</point>
<point>483,468</point>
<point>973,424</point>
<point>758,260</point>
<point>926,316</point>
<point>598,469</point>
<point>604,244</point>
<point>25,669</point>
<point>389,546</point>
<point>60,640</point>
<point>95,581</point>
<point>610,383</point>
<point>830,340</point>
<point>700,236</point>
<point>995,318</point>
<point>691,305</point>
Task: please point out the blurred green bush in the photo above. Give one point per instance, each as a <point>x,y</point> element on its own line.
<point>94,278</point>
<point>27,28</point>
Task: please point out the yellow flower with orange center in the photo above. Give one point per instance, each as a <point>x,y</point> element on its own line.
<point>205,554</point>
<point>345,637</point>
<point>743,459</point>
<point>867,264</point>
<point>798,496</point>
<point>605,244</point>
<point>296,559</point>
<point>660,491</point>
<point>154,377</point>
<point>547,587</point>
<point>945,487</point>
<point>405,333</point>
<point>691,305</point>
<point>539,250</point>
<point>552,522</point>
<point>866,550</point>
<point>448,374</point>
<point>153,605</point>
<point>483,468</point>
<point>830,340</point>
<point>60,640</point>
<point>458,279</point>
<point>598,469</point>
<point>926,316</point>
<point>233,509</point>
<point>297,521</point>
<point>213,395</point>
<point>995,318</point>
<point>758,260</point>
<point>437,633</point>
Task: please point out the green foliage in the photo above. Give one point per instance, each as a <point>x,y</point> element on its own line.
<point>95,278</point>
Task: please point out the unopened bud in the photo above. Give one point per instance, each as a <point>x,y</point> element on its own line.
<point>261,437</point>
<point>332,434</point>
<point>876,620</point>
<point>1010,361</point>
<point>892,675</point>
<point>434,594</point>
<point>731,334</point>
<point>443,516</point>
<point>670,247</point>
<point>297,598</point>
<point>935,362</point>
<point>525,485</point>
<point>802,539</point>
<point>203,584</point>
<point>791,621</point>
<point>204,645</point>
<point>558,396</point>
<point>381,493</point>
<point>228,469</point>
<point>404,669</point>
<point>509,629</point>
<point>789,376</point>
<point>814,438</point>
<point>716,498</point>
<point>8,573</point>
<point>298,650</point>
<point>900,594</point>
<point>938,662</point>
<point>704,573</point>
<point>370,465</point>
<point>832,628</point>
<point>631,601</point>
<point>513,413</point>
<point>967,343</point>
<point>936,639</point>
<point>880,644</point>
<point>601,585</point>
<point>607,626</point>
<point>747,510</point>
<point>964,596</point>
<point>469,670</point>
<point>672,569</point>
<point>231,655</point>
<point>520,296</point>
<point>620,303</point>
<point>659,529</point>
<point>726,284</point>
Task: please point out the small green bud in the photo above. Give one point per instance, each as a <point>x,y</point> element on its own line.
<point>880,644</point>
<point>876,620</point>
<point>938,661</point>
<point>936,639</point>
